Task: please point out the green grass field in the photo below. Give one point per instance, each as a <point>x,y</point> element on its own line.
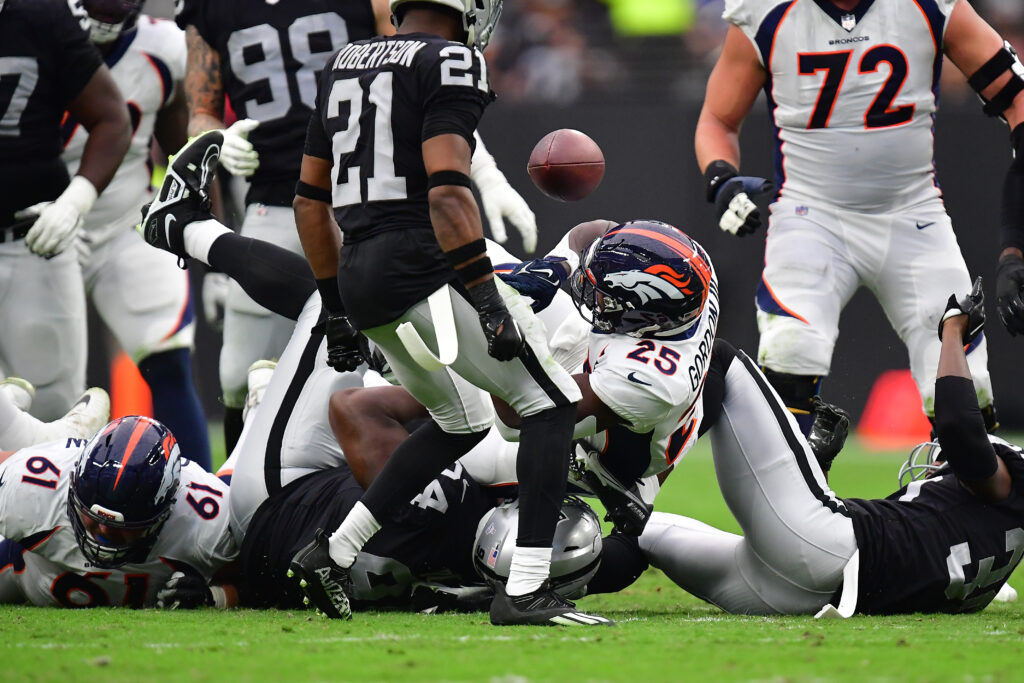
<point>663,634</point>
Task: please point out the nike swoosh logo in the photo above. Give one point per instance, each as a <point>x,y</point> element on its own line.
<point>631,377</point>
<point>922,226</point>
<point>1,480</point>
<point>168,220</point>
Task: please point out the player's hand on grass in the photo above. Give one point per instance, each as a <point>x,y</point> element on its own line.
<point>187,591</point>
<point>733,196</point>
<point>538,279</point>
<point>972,307</point>
<point>1009,283</point>
<point>237,155</point>
<point>347,347</point>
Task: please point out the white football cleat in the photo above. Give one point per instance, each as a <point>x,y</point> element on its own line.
<point>20,391</point>
<point>1006,594</point>
<point>260,373</point>
<point>89,414</point>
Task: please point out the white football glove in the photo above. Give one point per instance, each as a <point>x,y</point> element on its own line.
<point>500,200</point>
<point>215,296</point>
<point>57,222</point>
<point>237,154</point>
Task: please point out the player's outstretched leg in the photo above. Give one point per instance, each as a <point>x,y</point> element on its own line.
<point>176,403</point>
<point>325,583</point>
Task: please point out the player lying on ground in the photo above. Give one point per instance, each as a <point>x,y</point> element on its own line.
<point>945,543</point>
<point>860,79</point>
<point>18,429</point>
<point>108,521</point>
<point>289,478</point>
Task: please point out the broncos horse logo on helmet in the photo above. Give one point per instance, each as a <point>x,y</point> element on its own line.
<point>122,490</point>
<point>643,278</point>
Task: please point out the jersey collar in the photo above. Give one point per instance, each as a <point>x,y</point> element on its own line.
<point>837,14</point>
<point>121,46</point>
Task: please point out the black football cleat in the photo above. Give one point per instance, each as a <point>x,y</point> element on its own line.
<point>326,585</point>
<point>828,432</point>
<point>543,607</point>
<point>184,196</point>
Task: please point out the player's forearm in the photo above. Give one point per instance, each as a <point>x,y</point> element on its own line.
<point>952,359</point>
<point>456,220</point>
<point>171,126</point>
<point>103,113</point>
<point>204,88</point>
<point>319,235</point>
<point>714,140</point>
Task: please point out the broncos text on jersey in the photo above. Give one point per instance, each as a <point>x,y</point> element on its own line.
<point>852,97</point>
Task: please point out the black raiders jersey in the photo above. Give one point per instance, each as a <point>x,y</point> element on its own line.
<point>46,59</point>
<point>271,55</point>
<point>934,547</point>
<point>376,103</point>
<point>429,539</point>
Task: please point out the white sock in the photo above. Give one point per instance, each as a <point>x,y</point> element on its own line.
<point>200,236</point>
<point>17,429</point>
<point>530,568</point>
<point>352,535</point>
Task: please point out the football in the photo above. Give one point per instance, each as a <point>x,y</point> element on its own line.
<point>566,165</point>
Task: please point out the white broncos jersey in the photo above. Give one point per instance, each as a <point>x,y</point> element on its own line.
<point>148,65</point>
<point>47,565</point>
<point>852,96</point>
<point>656,385</point>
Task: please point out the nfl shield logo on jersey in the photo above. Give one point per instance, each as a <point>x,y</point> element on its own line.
<point>848,21</point>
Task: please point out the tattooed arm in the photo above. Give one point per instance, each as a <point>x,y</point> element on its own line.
<point>204,87</point>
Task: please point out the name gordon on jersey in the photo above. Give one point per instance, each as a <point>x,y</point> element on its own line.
<point>700,359</point>
<point>373,55</point>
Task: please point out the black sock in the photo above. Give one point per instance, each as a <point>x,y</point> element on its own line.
<point>622,563</point>
<point>176,403</point>
<point>542,468</point>
<point>418,460</point>
<point>275,278</point>
<point>232,428</point>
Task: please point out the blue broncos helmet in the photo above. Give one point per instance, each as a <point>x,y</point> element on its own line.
<point>644,279</point>
<point>125,478</point>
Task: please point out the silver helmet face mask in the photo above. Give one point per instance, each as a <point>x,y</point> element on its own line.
<point>576,549</point>
<point>921,463</point>
<point>479,17</point>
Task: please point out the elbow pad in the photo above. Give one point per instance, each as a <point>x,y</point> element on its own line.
<point>1003,61</point>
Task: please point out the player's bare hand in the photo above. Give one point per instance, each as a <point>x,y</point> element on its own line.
<point>1009,283</point>
<point>968,314</point>
<point>237,154</point>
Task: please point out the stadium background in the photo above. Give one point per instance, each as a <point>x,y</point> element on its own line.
<point>631,74</point>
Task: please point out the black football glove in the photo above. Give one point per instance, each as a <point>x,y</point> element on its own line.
<point>733,195</point>
<point>504,340</point>
<point>1009,282</point>
<point>347,347</point>
<point>538,279</point>
<point>973,306</point>
<point>185,591</point>
<point>829,430</point>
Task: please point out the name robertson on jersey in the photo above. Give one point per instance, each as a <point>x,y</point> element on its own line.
<point>700,360</point>
<point>373,55</point>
